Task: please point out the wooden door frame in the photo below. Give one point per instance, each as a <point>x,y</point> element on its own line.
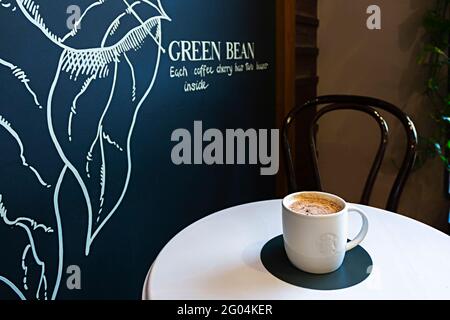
<point>285,72</point>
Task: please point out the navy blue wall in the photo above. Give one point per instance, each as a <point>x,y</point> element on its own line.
<point>45,225</point>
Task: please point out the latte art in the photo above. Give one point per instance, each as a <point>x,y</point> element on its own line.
<point>314,206</point>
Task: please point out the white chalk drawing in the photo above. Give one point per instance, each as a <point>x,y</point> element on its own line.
<point>28,226</point>
<point>73,109</point>
<point>7,5</point>
<point>7,126</point>
<point>22,77</point>
<point>83,67</point>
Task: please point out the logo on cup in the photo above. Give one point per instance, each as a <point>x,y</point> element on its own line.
<point>328,243</point>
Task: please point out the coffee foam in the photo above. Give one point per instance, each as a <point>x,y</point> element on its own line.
<point>312,205</point>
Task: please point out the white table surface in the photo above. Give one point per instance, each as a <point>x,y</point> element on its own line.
<point>218,257</point>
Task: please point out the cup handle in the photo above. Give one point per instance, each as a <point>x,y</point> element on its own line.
<point>362,234</point>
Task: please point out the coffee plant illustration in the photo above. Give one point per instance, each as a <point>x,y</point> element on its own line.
<point>90,113</point>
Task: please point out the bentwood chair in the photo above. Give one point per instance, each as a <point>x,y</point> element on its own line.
<point>370,106</point>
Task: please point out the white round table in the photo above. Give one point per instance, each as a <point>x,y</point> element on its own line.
<point>218,257</point>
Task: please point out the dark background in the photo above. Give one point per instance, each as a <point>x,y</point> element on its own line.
<point>162,198</point>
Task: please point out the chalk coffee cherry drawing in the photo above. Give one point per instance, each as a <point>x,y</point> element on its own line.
<point>83,109</point>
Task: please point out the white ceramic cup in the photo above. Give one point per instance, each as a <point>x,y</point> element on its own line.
<point>318,243</point>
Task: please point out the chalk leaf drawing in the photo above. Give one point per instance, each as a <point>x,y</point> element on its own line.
<point>84,103</point>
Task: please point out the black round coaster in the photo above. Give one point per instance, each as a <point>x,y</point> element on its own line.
<point>356,268</point>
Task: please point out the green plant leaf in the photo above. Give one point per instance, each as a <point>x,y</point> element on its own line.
<point>438,148</point>
<point>435,56</point>
<point>439,51</point>
<point>432,84</point>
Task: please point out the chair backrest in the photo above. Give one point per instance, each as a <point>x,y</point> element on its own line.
<point>369,106</point>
